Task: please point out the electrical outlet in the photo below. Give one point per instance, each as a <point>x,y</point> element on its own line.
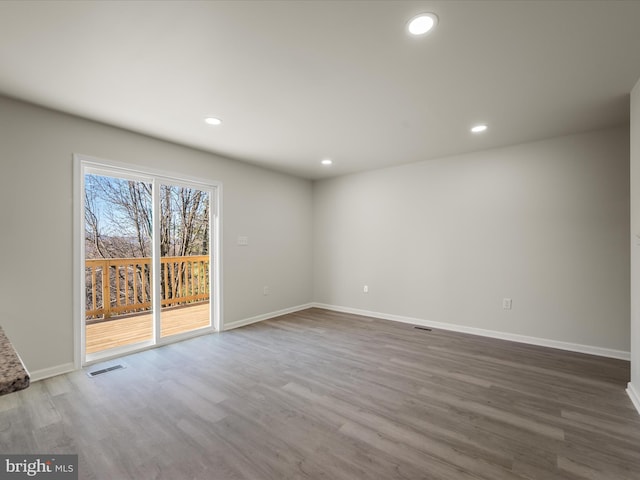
<point>365,289</point>
<point>506,303</point>
<point>265,291</point>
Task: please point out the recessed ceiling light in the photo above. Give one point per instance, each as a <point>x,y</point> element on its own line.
<point>212,121</point>
<point>327,161</point>
<point>422,23</point>
<point>478,128</point>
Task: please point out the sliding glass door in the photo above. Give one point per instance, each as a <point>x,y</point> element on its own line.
<point>147,259</point>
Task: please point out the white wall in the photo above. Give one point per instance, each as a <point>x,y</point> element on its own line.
<point>36,148</point>
<point>445,240</point>
<point>634,385</point>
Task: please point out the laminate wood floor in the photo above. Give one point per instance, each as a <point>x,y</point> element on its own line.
<point>324,395</point>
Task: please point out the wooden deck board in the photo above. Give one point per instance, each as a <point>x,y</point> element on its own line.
<point>138,328</point>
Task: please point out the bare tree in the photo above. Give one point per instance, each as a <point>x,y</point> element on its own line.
<point>119,224</point>
<point>184,222</point>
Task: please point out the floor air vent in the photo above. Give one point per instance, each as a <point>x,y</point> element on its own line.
<point>423,328</point>
<point>104,370</point>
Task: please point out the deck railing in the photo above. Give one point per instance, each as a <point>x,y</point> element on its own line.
<point>117,286</point>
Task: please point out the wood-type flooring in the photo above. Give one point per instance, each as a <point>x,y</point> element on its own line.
<point>325,395</point>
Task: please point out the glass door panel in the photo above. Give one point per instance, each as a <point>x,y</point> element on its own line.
<point>117,264</point>
<point>184,259</point>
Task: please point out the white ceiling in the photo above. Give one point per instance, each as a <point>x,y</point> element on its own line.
<point>298,81</point>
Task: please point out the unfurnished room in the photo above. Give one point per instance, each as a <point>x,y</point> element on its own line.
<point>320,239</point>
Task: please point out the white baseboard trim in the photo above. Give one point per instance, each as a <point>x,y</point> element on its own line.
<point>543,342</point>
<point>633,395</point>
<point>43,373</point>
<point>264,316</point>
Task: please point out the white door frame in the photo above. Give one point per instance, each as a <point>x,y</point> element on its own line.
<point>83,164</point>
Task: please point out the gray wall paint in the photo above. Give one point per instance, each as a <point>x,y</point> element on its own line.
<point>545,223</point>
<point>36,194</point>
<point>445,240</point>
<point>635,239</point>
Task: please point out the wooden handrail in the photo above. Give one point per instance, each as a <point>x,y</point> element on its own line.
<point>126,283</point>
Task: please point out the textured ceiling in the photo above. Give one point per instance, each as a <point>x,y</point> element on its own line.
<point>295,82</point>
